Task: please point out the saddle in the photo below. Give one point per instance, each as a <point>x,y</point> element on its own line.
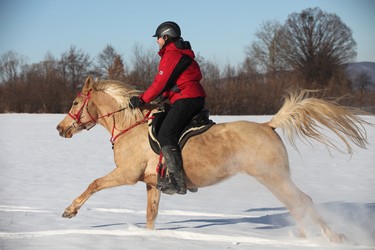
<point>198,125</point>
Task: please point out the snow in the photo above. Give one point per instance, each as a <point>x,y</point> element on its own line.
<point>41,173</point>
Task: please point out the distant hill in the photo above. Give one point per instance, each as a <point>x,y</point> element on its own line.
<point>355,69</point>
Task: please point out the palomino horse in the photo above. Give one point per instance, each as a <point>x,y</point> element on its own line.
<point>222,151</point>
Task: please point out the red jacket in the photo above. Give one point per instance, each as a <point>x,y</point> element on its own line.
<point>187,83</point>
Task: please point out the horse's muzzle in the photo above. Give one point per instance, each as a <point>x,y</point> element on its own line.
<point>59,129</point>
<point>62,132</point>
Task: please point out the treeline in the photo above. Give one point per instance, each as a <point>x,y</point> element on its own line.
<point>309,50</point>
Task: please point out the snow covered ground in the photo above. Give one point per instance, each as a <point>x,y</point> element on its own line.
<point>41,173</point>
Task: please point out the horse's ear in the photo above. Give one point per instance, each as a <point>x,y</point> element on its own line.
<point>88,85</point>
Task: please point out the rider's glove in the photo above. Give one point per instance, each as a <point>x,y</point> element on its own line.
<point>135,102</point>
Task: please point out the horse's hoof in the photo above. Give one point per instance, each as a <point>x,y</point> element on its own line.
<point>301,234</point>
<point>338,238</point>
<point>166,188</point>
<point>68,214</point>
<point>193,190</point>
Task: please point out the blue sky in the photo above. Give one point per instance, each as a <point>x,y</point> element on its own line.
<point>218,30</point>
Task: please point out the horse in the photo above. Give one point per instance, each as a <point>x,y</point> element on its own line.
<point>219,153</point>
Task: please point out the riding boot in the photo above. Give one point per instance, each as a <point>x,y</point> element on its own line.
<point>173,160</point>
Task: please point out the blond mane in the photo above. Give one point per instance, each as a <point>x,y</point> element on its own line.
<point>121,93</point>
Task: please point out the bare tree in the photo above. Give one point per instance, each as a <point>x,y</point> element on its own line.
<point>266,51</point>
<point>229,71</point>
<point>117,70</point>
<point>108,60</point>
<point>247,71</point>
<point>75,65</point>
<point>145,63</point>
<point>362,81</point>
<point>210,70</point>
<point>211,82</point>
<point>316,43</point>
<point>10,66</point>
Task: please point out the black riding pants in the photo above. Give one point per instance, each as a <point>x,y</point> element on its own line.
<point>178,117</point>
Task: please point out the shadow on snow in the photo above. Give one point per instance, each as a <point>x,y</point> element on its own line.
<point>360,215</point>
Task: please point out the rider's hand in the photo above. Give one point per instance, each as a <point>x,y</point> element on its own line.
<point>135,102</point>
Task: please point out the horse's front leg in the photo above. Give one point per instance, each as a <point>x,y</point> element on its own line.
<point>153,199</point>
<point>113,179</point>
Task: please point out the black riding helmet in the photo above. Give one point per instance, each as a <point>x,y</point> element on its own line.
<point>168,28</point>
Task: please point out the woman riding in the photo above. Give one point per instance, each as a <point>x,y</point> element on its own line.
<point>178,79</point>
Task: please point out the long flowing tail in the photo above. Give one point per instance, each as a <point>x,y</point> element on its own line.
<point>305,117</point>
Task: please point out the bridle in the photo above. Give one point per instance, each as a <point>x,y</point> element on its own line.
<point>78,116</point>
<point>91,123</point>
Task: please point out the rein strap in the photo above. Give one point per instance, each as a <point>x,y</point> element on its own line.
<point>121,132</point>
<point>77,118</point>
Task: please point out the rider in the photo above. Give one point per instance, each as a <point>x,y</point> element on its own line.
<point>178,79</point>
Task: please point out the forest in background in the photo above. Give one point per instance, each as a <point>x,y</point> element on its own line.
<point>310,50</point>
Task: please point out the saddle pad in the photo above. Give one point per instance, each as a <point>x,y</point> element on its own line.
<point>198,125</point>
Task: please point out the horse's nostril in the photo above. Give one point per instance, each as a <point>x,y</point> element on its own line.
<point>59,128</point>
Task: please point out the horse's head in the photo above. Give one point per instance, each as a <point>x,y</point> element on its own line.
<point>97,102</point>
<point>82,114</point>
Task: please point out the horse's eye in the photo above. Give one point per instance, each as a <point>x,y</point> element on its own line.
<point>75,103</point>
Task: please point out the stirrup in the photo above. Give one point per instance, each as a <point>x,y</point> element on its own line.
<point>168,185</point>
<point>164,183</point>
<point>180,187</point>
<point>166,188</point>
<point>181,190</point>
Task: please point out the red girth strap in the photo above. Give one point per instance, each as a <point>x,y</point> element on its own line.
<point>160,168</point>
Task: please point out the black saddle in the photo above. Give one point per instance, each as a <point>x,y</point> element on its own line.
<point>199,124</point>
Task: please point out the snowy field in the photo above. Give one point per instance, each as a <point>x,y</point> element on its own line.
<point>41,173</point>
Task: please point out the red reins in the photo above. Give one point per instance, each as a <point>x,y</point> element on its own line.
<point>123,131</point>
<point>77,118</point>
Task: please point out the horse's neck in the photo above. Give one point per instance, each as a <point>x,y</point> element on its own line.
<point>105,107</point>
<point>114,117</point>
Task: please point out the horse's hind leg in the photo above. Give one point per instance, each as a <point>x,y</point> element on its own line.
<point>298,203</point>
<point>153,199</point>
